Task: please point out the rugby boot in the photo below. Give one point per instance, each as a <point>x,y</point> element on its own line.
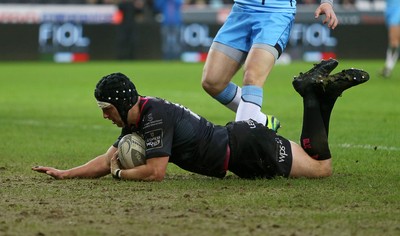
<point>273,123</point>
<point>306,81</point>
<point>334,85</point>
<point>386,72</point>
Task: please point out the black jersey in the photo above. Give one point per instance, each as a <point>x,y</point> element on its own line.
<point>190,141</point>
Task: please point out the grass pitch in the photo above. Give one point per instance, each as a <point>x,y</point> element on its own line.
<point>48,116</point>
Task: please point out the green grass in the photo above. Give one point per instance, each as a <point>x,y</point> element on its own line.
<point>48,116</point>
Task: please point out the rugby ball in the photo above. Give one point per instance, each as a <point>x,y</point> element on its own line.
<point>131,151</point>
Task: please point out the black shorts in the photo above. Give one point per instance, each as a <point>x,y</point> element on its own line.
<point>258,152</point>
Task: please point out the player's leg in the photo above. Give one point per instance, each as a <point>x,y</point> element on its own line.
<point>257,67</point>
<point>392,17</point>
<point>269,36</point>
<point>225,58</point>
<point>313,139</point>
<point>221,65</point>
<point>304,166</point>
<point>306,81</point>
<point>332,86</point>
<point>328,87</point>
<point>319,96</point>
<point>393,50</point>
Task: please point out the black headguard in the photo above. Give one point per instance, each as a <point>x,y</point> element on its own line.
<point>118,90</point>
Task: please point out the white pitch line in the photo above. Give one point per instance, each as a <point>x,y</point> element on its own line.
<point>96,127</point>
<point>367,146</point>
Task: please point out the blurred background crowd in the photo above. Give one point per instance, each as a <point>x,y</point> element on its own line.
<point>171,29</point>
<point>186,2</point>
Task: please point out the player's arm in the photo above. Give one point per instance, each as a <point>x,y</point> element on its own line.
<point>95,168</point>
<point>326,8</point>
<point>154,169</point>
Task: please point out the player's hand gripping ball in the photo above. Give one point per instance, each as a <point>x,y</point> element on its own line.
<point>131,151</point>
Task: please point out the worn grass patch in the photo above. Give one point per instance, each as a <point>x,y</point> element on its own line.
<point>48,116</point>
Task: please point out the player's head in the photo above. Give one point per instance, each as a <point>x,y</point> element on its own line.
<point>118,90</point>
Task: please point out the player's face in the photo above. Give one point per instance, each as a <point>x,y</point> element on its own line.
<point>111,113</point>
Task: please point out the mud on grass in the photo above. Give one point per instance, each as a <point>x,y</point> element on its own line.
<point>184,204</point>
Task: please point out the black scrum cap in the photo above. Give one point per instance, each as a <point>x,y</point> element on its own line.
<point>117,90</point>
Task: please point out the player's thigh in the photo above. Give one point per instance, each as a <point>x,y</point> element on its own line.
<point>218,71</point>
<point>304,166</point>
<point>257,67</point>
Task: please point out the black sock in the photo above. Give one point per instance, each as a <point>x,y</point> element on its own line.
<point>314,139</point>
<point>326,105</point>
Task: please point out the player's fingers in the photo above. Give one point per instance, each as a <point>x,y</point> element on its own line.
<point>333,23</point>
<point>331,20</point>
<point>317,13</point>
<point>40,169</point>
<point>54,173</point>
<point>114,166</point>
<point>114,156</point>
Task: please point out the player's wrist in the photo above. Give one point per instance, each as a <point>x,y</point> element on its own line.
<point>327,1</point>
<point>116,173</point>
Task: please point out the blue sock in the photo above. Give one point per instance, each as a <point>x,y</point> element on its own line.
<point>252,94</point>
<point>228,94</point>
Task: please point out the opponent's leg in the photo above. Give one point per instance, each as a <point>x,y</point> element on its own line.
<point>392,55</point>
<point>221,65</point>
<point>393,50</point>
<point>257,67</point>
<point>230,96</point>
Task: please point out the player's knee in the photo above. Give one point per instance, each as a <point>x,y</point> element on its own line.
<point>206,84</point>
<point>211,86</point>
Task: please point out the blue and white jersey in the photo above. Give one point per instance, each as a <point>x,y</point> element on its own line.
<point>288,6</point>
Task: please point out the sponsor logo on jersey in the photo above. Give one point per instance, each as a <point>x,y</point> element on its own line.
<point>282,150</point>
<point>251,123</point>
<point>153,139</point>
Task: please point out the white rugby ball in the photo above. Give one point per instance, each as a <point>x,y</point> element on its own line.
<point>131,151</point>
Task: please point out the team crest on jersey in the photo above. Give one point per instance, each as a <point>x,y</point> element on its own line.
<point>150,117</point>
<point>153,139</point>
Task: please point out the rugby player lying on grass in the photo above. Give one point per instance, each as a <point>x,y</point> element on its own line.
<point>245,148</point>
